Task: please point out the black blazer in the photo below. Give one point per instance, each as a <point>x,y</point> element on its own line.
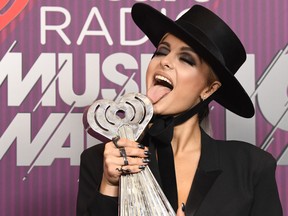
<point>233,179</point>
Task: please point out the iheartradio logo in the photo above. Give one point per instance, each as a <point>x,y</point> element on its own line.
<point>9,9</point>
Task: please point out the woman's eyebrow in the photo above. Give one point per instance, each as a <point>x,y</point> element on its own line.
<point>186,48</point>
<point>164,43</point>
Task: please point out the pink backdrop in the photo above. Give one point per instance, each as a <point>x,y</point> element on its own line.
<point>57,57</point>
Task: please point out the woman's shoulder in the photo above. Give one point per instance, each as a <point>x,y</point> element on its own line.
<point>244,151</point>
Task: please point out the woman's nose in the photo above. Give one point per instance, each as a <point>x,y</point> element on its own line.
<point>167,62</point>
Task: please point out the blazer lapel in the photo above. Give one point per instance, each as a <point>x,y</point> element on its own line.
<point>205,176</point>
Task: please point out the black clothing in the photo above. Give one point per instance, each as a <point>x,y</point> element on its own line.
<point>233,178</point>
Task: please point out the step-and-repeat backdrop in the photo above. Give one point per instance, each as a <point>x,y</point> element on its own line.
<point>57,57</point>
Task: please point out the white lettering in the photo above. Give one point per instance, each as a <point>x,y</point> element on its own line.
<point>69,131</point>
<point>273,99</point>
<point>19,87</point>
<point>110,72</point>
<point>49,142</point>
<point>58,28</point>
<point>85,31</point>
<point>92,80</point>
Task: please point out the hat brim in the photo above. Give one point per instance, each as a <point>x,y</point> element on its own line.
<point>155,25</point>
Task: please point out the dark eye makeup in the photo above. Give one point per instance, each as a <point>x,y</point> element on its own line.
<point>184,55</point>
<point>187,58</point>
<point>161,50</point>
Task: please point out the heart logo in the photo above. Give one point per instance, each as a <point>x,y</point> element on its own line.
<point>127,118</point>
<point>12,11</point>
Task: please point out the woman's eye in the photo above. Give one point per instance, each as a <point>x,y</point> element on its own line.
<point>188,59</point>
<point>161,51</point>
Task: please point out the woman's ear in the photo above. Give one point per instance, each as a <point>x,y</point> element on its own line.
<point>210,90</point>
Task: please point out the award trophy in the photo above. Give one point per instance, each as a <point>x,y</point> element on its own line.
<point>140,193</point>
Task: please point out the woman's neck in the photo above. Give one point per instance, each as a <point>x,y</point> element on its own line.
<point>186,137</point>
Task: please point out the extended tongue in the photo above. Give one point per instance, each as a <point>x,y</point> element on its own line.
<point>157,92</point>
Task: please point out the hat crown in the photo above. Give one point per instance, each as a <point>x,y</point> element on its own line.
<point>220,35</point>
<point>212,39</point>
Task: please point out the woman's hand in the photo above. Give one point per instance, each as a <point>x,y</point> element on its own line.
<point>114,163</point>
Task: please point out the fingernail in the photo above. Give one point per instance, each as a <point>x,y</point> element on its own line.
<point>142,167</point>
<point>147,152</point>
<point>146,160</point>
<point>183,207</point>
<point>141,146</point>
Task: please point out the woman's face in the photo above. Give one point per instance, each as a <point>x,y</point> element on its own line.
<point>176,77</point>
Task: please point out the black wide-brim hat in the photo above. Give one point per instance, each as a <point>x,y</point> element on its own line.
<point>212,39</point>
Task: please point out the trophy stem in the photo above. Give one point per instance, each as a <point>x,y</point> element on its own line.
<point>140,193</point>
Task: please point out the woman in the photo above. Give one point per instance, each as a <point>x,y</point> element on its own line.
<point>195,61</point>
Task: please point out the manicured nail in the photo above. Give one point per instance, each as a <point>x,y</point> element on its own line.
<point>147,153</point>
<point>146,160</point>
<point>183,207</point>
<point>142,167</point>
<point>141,146</point>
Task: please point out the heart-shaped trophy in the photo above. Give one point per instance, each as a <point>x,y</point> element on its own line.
<point>140,193</point>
